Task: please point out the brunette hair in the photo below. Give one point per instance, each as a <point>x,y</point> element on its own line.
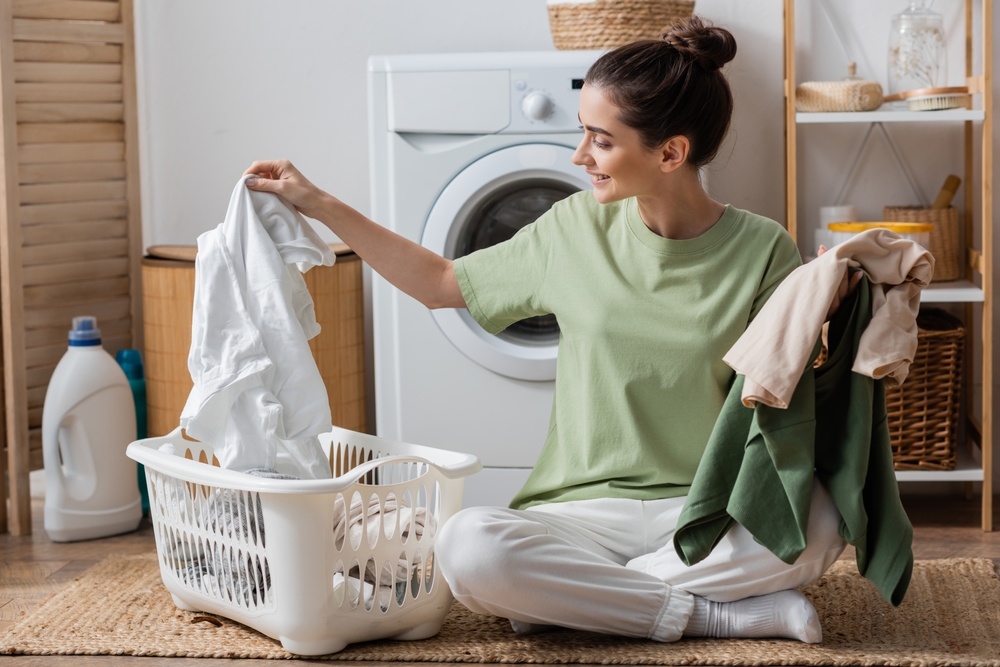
<point>672,86</point>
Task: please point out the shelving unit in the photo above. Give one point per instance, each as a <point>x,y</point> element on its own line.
<point>979,267</point>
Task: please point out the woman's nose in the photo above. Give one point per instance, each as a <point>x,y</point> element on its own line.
<point>580,155</point>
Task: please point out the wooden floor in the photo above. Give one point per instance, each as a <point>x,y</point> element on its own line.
<point>31,568</point>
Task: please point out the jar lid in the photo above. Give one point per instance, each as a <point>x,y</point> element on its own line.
<point>898,227</point>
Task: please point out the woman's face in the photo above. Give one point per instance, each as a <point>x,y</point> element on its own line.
<point>620,165</point>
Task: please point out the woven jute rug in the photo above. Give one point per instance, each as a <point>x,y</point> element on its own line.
<point>951,616</point>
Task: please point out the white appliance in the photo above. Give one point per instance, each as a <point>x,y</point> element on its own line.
<point>466,149</point>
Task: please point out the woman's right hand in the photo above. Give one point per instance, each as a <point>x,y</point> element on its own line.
<point>281,177</point>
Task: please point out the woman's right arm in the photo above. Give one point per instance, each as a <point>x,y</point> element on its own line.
<point>427,277</point>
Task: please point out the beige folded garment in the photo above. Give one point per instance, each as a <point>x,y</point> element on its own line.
<point>774,350</point>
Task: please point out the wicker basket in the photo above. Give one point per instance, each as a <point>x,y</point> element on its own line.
<point>606,24</point>
<point>924,411</point>
<point>826,96</point>
<point>945,242</point>
<point>168,297</point>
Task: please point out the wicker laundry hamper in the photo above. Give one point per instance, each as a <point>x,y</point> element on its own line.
<point>923,413</point>
<point>945,243</point>
<point>606,24</point>
<point>168,298</point>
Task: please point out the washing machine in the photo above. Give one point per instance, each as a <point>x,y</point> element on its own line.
<point>465,150</point>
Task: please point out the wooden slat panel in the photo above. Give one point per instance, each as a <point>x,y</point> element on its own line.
<point>61,172</point>
<point>11,296</point>
<point>63,52</point>
<point>31,72</point>
<point>49,193</point>
<point>58,335</point>
<point>49,355</point>
<point>35,442</point>
<point>44,356</point>
<point>69,232</point>
<point>43,296</point>
<point>68,92</point>
<point>38,377</point>
<point>54,112</point>
<point>37,30</point>
<point>110,309</point>
<point>74,152</point>
<point>35,414</point>
<point>36,461</point>
<point>136,247</point>
<point>42,213</point>
<point>84,10</point>
<point>35,397</point>
<point>50,274</point>
<point>74,252</point>
<point>52,133</point>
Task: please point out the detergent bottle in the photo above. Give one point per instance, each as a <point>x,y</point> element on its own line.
<point>131,362</point>
<point>87,422</point>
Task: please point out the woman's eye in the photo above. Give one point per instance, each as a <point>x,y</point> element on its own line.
<point>600,144</point>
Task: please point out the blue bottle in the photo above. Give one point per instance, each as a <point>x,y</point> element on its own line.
<point>131,363</point>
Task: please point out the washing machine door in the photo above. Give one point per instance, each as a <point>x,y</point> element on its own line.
<point>485,204</point>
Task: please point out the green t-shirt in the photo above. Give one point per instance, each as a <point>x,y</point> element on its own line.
<point>644,322</point>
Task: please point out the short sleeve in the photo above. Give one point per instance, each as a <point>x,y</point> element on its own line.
<point>784,259</point>
<point>503,284</point>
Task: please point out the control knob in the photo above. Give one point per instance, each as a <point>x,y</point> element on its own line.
<point>537,106</point>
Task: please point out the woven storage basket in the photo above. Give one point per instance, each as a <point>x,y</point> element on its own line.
<point>168,298</point>
<point>826,96</point>
<point>606,24</point>
<point>924,410</point>
<point>945,242</point>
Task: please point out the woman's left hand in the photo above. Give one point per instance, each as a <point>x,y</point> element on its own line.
<point>846,288</point>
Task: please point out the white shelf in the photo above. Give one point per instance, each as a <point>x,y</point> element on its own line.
<point>956,291</point>
<point>966,470</point>
<point>890,116</point>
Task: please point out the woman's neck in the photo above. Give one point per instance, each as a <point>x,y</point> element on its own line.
<point>680,209</point>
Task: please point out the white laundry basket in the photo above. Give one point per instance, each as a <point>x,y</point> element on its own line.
<point>281,556</point>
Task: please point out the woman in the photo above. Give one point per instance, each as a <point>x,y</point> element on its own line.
<point>652,281</point>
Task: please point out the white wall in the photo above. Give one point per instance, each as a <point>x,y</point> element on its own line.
<point>225,82</point>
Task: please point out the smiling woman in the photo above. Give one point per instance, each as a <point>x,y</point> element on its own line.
<point>652,282</point>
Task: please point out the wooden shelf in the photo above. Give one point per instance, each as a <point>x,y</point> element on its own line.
<point>967,470</point>
<point>889,116</point>
<point>956,291</point>
<point>977,147</point>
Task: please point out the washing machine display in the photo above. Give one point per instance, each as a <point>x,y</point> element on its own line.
<point>466,149</point>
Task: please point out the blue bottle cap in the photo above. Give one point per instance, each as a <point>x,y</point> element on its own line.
<point>131,363</point>
<point>84,332</point>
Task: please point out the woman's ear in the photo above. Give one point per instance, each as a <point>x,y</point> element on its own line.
<point>674,153</point>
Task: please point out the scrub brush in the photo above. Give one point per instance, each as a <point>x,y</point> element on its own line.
<point>933,99</point>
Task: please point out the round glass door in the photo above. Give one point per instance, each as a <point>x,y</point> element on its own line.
<point>486,204</point>
<point>501,215</point>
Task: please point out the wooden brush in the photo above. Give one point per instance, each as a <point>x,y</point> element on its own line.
<point>947,192</point>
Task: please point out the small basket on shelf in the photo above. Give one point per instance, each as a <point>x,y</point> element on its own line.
<point>923,412</point>
<point>606,24</point>
<point>945,241</point>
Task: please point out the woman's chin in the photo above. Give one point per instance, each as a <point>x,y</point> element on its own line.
<point>604,195</point>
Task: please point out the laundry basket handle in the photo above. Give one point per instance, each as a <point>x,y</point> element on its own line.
<point>359,471</point>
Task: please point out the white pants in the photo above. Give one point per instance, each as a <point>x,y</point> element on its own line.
<point>609,565</point>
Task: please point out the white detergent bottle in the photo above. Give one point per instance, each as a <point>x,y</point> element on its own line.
<point>87,422</point>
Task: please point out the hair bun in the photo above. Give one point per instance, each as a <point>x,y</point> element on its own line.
<point>711,46</point>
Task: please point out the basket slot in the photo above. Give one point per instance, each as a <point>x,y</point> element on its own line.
<point>416,574</point>
<point>429,570</point>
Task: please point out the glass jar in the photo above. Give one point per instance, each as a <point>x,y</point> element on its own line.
<point>917,50</point>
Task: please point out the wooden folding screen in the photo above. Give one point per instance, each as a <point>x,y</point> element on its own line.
<point>70,232</point>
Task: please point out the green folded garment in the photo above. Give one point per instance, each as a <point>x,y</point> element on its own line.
<point>759,465</point>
